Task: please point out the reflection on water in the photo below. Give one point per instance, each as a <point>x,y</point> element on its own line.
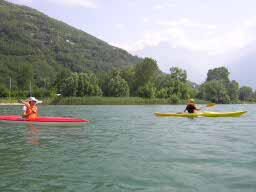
<point>33,135</point>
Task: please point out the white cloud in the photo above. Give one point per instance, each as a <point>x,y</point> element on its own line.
<point>145,20</point>
<point>120,26</point>
<point>149,40</point>
<point>164,5</point>
<point>197,37</point>
<point>185,23</point>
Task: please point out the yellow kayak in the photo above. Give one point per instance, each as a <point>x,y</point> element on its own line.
<point>203,114</point>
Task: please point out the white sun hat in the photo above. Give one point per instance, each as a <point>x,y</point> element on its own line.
<point>33,99</point>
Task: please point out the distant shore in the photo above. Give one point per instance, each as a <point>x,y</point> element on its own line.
<point>107,101</point>
<point>10,104</point>
<point>102,101</point>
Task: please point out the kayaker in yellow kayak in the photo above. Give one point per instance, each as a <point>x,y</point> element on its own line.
<point>30,110</point>
<point>191,107</point>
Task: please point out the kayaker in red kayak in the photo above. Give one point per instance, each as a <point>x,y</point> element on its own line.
<point>191,107</point>
<point>30,110</point>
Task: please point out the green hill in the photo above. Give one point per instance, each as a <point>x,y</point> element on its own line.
<point>33,47</point>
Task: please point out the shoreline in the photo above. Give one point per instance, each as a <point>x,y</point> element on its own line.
<point>107,101</point>
<point>8,104</point>
<point>20,104</point>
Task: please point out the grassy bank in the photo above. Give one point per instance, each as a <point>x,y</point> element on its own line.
<point>110,101</point>
<point>9,102</point>
<point>103,101</point>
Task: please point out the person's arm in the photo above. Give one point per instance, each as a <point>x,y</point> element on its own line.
<point>186,110</point>
<point>198,109</point>
<point>25,115</point>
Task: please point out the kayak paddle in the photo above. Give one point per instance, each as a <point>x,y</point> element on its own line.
<point>25,103</point>
<point>211,105</point>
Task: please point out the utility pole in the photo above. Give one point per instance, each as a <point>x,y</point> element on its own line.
<point>10,88</point>
<point>30,89</point>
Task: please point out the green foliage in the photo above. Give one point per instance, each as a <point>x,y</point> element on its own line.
<point>220,73</point>
<point>3,91</point>
<point>162,93</point>
<point>70,86</point>
<point>128,75</point>
<point>34,47</point>
<point>104,101</point>
<point>174,83</point>
<point>61,77</point>
<point>174,99</point>
<point>218,87</point>
<point>178,74</point>
<point>42,93</point>
<point>80,85</point>
<point>233,91</point>
<point>214,91</point>
<point>118,87</point>
<point>144,73</point>
<point>246,94</point>
<point>147,91</point>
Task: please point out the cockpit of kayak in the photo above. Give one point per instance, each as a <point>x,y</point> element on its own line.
<point>203,114</point>
<point>55,121</point>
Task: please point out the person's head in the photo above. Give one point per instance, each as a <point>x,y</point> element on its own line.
<point>192,101</point>
<point>32,100</point>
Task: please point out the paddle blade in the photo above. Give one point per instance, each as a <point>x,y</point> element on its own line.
<point>211,105</point>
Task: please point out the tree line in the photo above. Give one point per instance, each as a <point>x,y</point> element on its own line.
<point>144,80</point>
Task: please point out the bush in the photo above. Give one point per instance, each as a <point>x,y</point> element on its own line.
<point>173,99</point>
<point>3,91</point>
<point>147,91</point>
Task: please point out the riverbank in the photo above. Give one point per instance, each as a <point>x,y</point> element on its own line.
<point>10,104</point>
<point>103,101</point>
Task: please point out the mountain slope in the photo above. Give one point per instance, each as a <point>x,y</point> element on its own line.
<point>35,46</point>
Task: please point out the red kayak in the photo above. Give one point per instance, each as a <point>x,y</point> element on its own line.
<point>59,121</point>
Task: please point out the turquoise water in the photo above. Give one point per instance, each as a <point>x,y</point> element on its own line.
<point>127,148</point>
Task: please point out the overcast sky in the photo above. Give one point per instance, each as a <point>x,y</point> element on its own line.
<point>203,34</point>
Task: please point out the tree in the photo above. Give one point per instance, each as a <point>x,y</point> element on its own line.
<point>118,87</point>
<point>178,74</point>
<point>25,76</point>
<point>70,86</point>
<point>246,93</point>
<point>173,83</point>
<point>128,75</point>
<point>162,93</point>
<point>220,73</point>
<point>3,91</point>
<point>233,91</point>
<point>214,91</point>
<point>147,91</point>
<point>93,89</point>
<point>83,84</point>
<point>61,77</point>
<point>144,72</point>
<point>88,85</point>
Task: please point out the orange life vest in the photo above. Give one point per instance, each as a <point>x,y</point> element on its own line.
<point>33,111</point>
<point>192,105</point>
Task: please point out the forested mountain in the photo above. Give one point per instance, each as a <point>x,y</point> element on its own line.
<point>33,47</point>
